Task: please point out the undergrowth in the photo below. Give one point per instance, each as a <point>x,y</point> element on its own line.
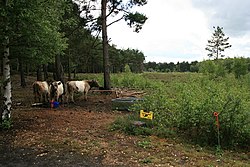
<point>186,109</point>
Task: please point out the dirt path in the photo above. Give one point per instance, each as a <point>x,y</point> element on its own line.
<point>54,137</point>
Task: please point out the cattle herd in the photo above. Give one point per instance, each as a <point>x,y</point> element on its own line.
<point>58,91</point>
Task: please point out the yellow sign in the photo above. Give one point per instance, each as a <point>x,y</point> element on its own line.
<point>146,115</point>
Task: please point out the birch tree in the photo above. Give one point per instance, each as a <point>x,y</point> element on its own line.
<point>6,82</point>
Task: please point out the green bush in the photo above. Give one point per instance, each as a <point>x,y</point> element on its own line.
<point>186,109</point>
<point>213,69</point>
<point>240,67</point>
<point>197,101</point>
<point>6,124</point>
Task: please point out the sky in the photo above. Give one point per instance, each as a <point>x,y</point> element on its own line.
<point>178,30</point>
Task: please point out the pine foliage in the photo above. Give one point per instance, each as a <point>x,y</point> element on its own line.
<point>218,43</point>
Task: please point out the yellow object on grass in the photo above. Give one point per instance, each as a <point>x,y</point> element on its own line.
<point>146,115</point>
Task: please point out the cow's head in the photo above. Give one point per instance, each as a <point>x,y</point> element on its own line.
<point>54,87</point>
<point>93,83</point>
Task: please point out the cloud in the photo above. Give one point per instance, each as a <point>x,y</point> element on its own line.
<point>233,15</point>
<point>178,30</point>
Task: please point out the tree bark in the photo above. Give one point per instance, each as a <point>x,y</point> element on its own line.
<point>59,73</point>
<point>1,71</point>
<point>6,105</point>
<point>105,47</point>
<point>22,76</point>
<point>39,76</point>
<point>74,73</point>
<point>45,71</point>
<point>69,71</point>
<point>27,69</point>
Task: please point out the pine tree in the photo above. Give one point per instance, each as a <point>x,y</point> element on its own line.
<point>118,10</point>
<point>218,43</point>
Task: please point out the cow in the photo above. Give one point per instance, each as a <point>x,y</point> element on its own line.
<point>56,91</point>
<point>41,91</point>
<point>79,86</point>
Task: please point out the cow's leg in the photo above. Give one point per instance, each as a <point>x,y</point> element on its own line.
<point>48,98</point>
<point>67,97</point>
<point>68,94</point>
<point>40,97</point>
<point>72,97</point>
<point>35,97</point>
<point>58,97</point>
<point>61,98</point>
<point>85,96</point>
<point>45,97</point>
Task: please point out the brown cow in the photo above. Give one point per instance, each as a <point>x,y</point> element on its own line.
<point>41,91</point>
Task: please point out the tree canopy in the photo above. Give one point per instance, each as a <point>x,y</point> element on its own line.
<point>33,29</point>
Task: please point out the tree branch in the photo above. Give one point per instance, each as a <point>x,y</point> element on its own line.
<point>115,21</point>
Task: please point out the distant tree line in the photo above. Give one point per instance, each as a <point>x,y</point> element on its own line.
<point>172,67</point>
<point>238,66</point>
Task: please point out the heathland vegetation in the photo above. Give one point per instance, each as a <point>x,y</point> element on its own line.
<point>184,104</point>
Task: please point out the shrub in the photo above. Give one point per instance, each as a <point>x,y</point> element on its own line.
<point>196,102</point>
<point>213,69</point>
<point>240,67</point>
<point>186,108</point>
<point>6,124</point>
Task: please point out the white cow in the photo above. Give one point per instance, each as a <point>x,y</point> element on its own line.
<point>41,91</point>
<point>79,86</point>
<point>56,91</point>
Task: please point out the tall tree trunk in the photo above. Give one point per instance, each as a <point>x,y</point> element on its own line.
<point>6,105</point>
<point>105,47</point>
<point>22,76</point>
<point>59,73</point>
<point>27,69</point>
<point>39,76</point>
<point>17,65</point>
<point>45,71</point>
<point>1,70</point>
<point>69,71</point>
<point>74,73</point>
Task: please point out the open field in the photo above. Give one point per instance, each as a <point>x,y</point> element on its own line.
<point>79,135</point>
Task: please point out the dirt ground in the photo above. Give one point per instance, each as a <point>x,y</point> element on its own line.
<point>78,135</point>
